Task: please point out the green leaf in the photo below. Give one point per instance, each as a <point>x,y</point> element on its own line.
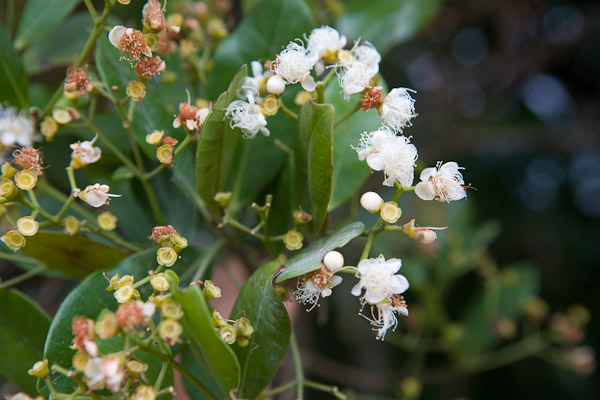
<point>216,145</point>
<point>90,297</point>
<point>261,358</point>
<point>23,328</point>
<point>75,256</point>
<point>309,259</point>
<point>193,366</point>
<point>349,173</point>
<point>13,81</point>
<point>269,26</point>
<point>314,157</point>
<point>40,17</point>
<point>386,22</point>
<point>218,358</point>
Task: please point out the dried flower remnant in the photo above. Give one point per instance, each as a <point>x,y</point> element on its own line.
<point>148,67</point>
<point>130,42</point>
<point>29,158</point>
<point>371,98</point>
<point>96,195</point>
<point>84,153</point>
<point>190,117</point>
<point>105,372</point>
<point>312,286</point>
<point>153,15</point>
<point>77,83</point>
<point>443,183</point>
<point>134,314</point>
<point>161,234</point>
<point>83,329</point>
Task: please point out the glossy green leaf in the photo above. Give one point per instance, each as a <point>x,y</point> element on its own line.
<point>386,22</point>
<point>314,157</point>
<point>23,328</point>
<point>40,17</point>
<point>75,256</point>
<point>216,145</point>
<point>90,297</point>
<point>269,26</point>
<point>218,357</point>
<point>13,81</point>
<point>272,329</point>
<point>349,173</point>
<point>190,363</point>
<point>309,259</point>
<point>504,298</point>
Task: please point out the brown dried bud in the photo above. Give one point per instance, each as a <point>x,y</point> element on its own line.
<point>371,98</point>
<point>153,14</point>
<point>148,67</point>
<point>77,83</point>
<point>29,158</point>
<point>160,233</point>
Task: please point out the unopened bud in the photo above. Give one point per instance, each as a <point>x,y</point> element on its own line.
<point>107,326</point>
<point>27,226</point>
<point>39,369</point>
<point>25,179</point>
<point>2,211</point>
<point>301,98</point>
<point>7,189</point>
<point>211,291</point>
<point>216,28</point>
<point>144,392</point>
<point>293,240</point>
<point>536,309</point>
<point>80,360</point>
<point>223,198</point>
<point>228,334</point>
<point>411,387</point>
<point>333,261</point>
<point>275,85</point>
<point>506,328</point>
<point>48,128</point>
<point>166,256</point>
<point>14,240</point>
<point>171,310</point>
<point>169,330</point>
<point>62,116</point>
<point>390,212</point>
<point>70,225</point>
<point>301,217</point>
<point>136,91</point>
<point>155,138</point>
<point>371,201</point>
<point>159,282</point>
<point>165,154</point>
<point>107,221</point>
<point>269,105</point>
<point>425,235</point>
<point>243,327</point>
<point>177,242</point>
<point>135,368</point>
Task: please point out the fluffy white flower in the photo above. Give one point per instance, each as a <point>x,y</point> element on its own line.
<point>378,279</point>
<point>442,183</point>
<point>397,109</point>
<point>383,315</point>
<point>312,286</point>
<point>324,40</point>
<point>15,129</point>
<point>104,371</point>
<point>251,86</point>
<point>355,78</point>
<point>96,195</point>
<point>366,53</point>
<point>247,117</point>
<point>294,65</point>
<point>85,153</point>
<point>394,155</point>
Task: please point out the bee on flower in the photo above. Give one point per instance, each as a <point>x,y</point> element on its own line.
<point>314,285</point>
<point>442,183</point>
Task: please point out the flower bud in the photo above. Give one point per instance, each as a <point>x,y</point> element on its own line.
<point>301,98</point>
<point>371,201</point>
<point>159,282</point>
<point>223,198</point>
<point>7,189</point>
<point>79,360</point>
<point>333,261</point>
<point>269,105</point>
<point>155,138</point>
<point>165,154</point>
<point>211,291</point>
<point>275,85</point>
<point>25,179</point>
<point>301,217</point>
<point>70,225</point>
<point>135,368</point>
<point>293,240</point>
<point>243,327</point>
<point>177,242</point>
<point>160,299</point>
<point>390,212</point>
<point>107,221</point>
<point>107,326</point>
<point>425,235</point>
<point>166,256</point>
<point>216,28</point>
<point>62,115</point>
<point>171,310</point>
<point>144,392</point>
<point>217,320</point>
<point>124,293</point>
<point>39,369</point>
<point>27,226</point>
<point>48,128</point>
<point>228,334</point>
<point>136,90</point>
<point>13,240</point>
<point>409,228</point>
<point>169,330</point>
<point>8,171</point>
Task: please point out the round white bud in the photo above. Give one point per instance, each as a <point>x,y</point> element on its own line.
<point>275,85</point>
<point>371,202</point>
<point>333,261</point>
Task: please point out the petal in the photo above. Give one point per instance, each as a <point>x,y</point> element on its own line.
<point>115,35</point>
<point>450,168</point>
<point>335,280</point>
<point>393,265</point>
<point>374,297</point>
<point>376,161</point>
<point>426,173</point>
<point>399,284</point>
<point>309,84</point>
<point>357,290</point>
<point>425,190</point>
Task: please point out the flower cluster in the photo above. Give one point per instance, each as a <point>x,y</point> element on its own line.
<point>15,129</point>
<point>172,243</point>
<point>314,285</point>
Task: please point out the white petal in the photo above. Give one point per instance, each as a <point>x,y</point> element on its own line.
<point>393,265</point>
<point>426,173</point>
<point>374,297</point>
<point>309,84</point>
<point>425,190</point>
<point>399,284</point>
<point>335,280</point>
<point>357,289</point>
<point>115,35</point>
<point>376,161</point>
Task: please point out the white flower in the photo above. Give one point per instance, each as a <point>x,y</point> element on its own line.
<point>294,65</point>
<point>104,371</point>
<point>15,129</point>
<point>325,40</point>
<point>394,155</point>
<point>250,88</point>
<point>378,279</point>
<point>397,109</point>
<point>85,153</point>
<point>355,78</point>
<point>386,315</point>
<point>312,286</point>
<point>96,195</point>
<point>442,183</point>
<point>247,117</point>
<point>366,53</point>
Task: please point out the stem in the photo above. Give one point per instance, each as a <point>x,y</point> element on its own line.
<point>17,258</point>
<point>23,277</point>
<point>174,364</point>
<point>287,111</point>
<point>347,115</point>
<point>325,388</point>
<point>153,201</point>
<point>228,220</point>
<point>161,376</point>
<point>297,365</point>
<point>279,389</point>
<point>91,10</point>
<point>147,279</point>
